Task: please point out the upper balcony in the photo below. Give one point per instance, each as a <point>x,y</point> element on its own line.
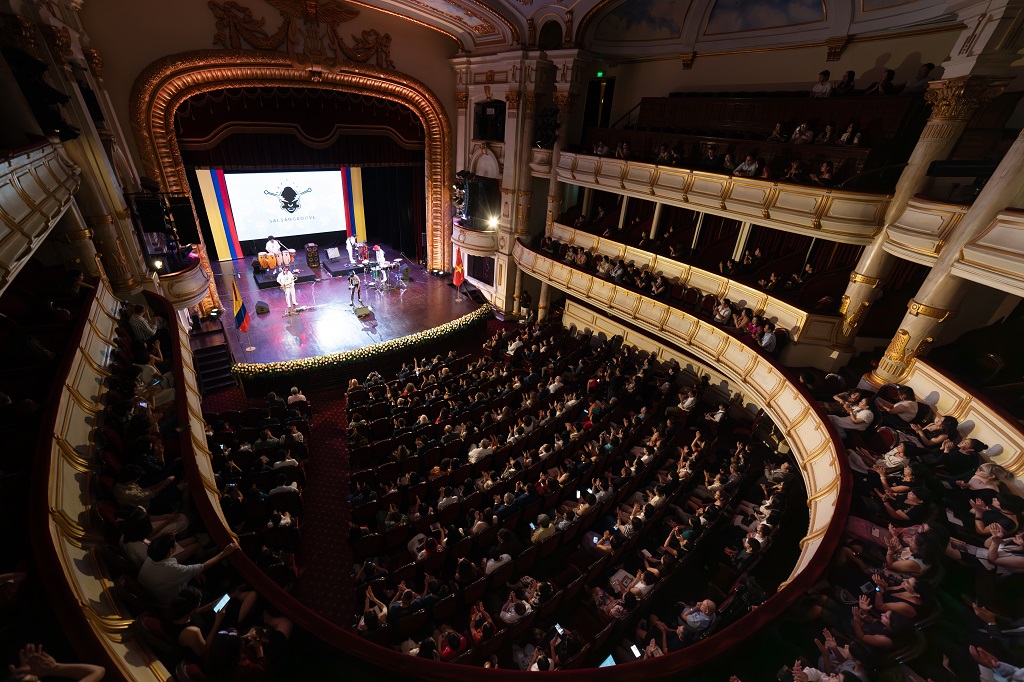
<point>37,184</point>
<point>995,257</point>
<point>919,233</point>
<point>188,283</point>
<point>821,212</point>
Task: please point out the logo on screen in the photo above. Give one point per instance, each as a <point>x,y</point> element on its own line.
<point>288,197</point>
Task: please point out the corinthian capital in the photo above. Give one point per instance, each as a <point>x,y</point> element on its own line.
<point>958,98</point>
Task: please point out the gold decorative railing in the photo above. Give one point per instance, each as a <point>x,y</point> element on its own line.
<point>823,212</point>
<point>36,186</point>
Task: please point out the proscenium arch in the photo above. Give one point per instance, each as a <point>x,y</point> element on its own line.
<point>167,83</point>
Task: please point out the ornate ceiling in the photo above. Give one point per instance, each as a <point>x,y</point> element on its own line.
<point>633,27</point>
<point>626,27</point>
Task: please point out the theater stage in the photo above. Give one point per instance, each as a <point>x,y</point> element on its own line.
<point>332,326</point>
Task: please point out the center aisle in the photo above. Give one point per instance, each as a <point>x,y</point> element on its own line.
<point>325,559</point>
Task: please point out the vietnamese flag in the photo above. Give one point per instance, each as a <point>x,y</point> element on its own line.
<point>460,275</point>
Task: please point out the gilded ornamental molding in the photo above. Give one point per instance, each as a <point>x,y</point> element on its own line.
<point>17,31</point>
<point>168,82</point>
<point>958,98</point>
<point>95,61</point>
<point>461,100</point>
<point>564,101</point>
<point>59,40</point>
<point>915,308</point>
<point>512,100</point>
<point>857,278</point>
<point>319,44</point>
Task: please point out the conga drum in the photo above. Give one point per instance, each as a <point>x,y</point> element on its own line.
<point>264,263</point>
<point>271,260</point>
<point>287,256</point>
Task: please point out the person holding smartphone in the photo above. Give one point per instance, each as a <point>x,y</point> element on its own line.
<point>162,575</point>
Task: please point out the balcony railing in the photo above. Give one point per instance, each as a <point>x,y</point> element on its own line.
<point>995,257</point>
<point>188,285</point>
<point>920,231</point>
<point>803,327</point>
<point>822,212</point>
<point>37,184</point>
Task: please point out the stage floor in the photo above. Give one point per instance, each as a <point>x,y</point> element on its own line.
<point>332,326</point>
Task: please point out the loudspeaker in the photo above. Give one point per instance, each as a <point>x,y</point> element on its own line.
<point>362,310</point>
<point>262,308</point>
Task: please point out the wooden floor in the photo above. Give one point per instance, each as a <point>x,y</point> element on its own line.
<point>331,326</point>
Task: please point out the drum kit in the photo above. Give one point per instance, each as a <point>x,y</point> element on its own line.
<point>386,276</point>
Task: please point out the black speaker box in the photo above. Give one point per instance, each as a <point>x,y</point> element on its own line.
<point>262,308</point>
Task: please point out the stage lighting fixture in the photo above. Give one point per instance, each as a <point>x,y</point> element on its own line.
<point>158,264</point>
<point>492,222</point>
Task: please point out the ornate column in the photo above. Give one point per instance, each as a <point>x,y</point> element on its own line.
<point>741,241</point>
<point>954,102</point>
<point>461,125</point>
<point>941,293</point>
<point>564,101</point>
<point>658,206</point>
<point>543,300</point>
<point>516,302</point>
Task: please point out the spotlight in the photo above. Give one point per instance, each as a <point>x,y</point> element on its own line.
<point>158,264</point>
<point>492,222</point>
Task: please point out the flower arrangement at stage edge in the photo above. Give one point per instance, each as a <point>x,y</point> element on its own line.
<point>337,360</point>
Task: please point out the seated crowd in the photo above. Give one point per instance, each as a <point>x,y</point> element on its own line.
<point>190,607</point>
<point>757,268</point>
<point>744,322</point>
<point>736,152</point>
<point>532,506</point>
<point>933,552</point>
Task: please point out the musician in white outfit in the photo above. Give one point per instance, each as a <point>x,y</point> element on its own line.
<point>287,281</point>
<point>274,247</point>
<point>350,244</point>
<point>379,254</point>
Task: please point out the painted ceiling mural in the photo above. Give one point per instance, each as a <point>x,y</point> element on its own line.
<point>875,5</point>
<point>737,16</point>
<point>643,20</point>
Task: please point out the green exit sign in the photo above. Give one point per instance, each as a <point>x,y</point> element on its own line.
<point>600,74</point>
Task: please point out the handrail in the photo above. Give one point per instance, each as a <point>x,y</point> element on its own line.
<point>845,216</point>
<point>8,155</point>
<point>626,115</point>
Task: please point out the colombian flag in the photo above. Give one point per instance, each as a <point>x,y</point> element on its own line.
<point>460,275</point>
<point>241,314</point>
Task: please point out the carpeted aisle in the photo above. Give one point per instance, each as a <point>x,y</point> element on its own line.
<point>325,559</point>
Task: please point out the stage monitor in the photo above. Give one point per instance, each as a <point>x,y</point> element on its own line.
<point>249,207</point>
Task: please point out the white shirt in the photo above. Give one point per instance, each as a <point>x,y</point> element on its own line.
<point>865,416</point>
<point>381,258</point>
<point>274,247</point>
<point>286,278</point>
<point>477,454</point>
<point>822,89</point>
<point>165,579</point>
